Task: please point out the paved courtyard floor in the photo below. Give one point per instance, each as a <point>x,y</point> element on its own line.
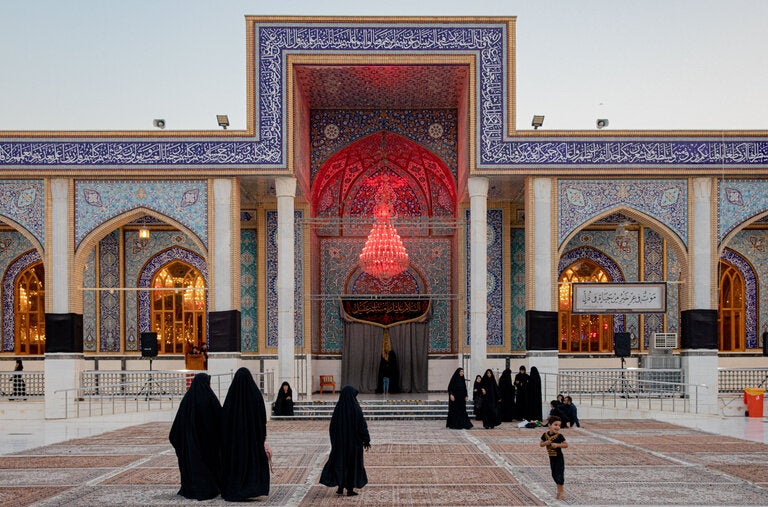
<point>608,462</point>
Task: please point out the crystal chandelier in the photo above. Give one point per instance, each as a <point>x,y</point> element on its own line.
<point>384,254</point>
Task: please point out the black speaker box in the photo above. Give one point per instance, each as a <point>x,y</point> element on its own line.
<point>540,330</point>
<point>63,332</point>
<point>765,343</point>
<point>622,344</point>
<point>148,344</point>
<point>698,329</point>
<point>224,331</point>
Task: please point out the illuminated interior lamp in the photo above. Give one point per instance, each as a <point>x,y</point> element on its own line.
<point>384,255</point>
<point>144,233</point>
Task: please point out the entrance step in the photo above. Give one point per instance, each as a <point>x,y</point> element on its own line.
<point>373,409</point>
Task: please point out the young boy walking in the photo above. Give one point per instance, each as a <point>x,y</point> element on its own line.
<point>555,442</point>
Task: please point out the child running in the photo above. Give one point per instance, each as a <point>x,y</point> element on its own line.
<point>555,442</point>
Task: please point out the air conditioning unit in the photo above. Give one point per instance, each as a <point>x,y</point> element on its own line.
<point>664,340</point>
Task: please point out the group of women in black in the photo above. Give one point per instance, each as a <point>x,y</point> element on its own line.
<point>222,450</point>
<point>493,402</point>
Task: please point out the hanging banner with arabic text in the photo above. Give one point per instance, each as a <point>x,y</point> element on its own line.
<point>598,298</point>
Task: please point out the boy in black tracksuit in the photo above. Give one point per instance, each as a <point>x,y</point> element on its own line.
<point>555,442</point>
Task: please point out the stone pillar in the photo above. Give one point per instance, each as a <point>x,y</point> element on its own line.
<point>285,190</point>
<point>698,326</point>
<point>478,251</point>
<point>64,330</point>
<point>541,313</point>
<point>223,250</point>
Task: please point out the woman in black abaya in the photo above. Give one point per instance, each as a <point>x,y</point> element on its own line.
<point>491,399</point>
<point>533,411</point>
<point>521,395</point>
<point>457,402</point>
<point>349,437</point>
<point>507,393</point>
<point>195,438</point>
<point>284,401</point>
<point>477,397</point>
<point>244,455</point>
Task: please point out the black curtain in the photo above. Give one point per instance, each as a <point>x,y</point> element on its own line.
<point>410,342</point>
<point>361,355</point>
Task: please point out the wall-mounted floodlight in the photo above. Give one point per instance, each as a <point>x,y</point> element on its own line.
<point>223,120</point>
<point>538,121</point>
<point>159,123</point>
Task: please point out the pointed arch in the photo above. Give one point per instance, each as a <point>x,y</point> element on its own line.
<point>425,186</point>
<point>751,295</point>
<point>673,241</point>
<point>723,245</point>
<point>17,266</point>
<point>98,233</point>
<point>152,267</point>
<point>604,262</point>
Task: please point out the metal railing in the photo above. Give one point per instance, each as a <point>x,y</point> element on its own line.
<point>626,388</point>
<point>113,392</point>
<point>22,384</point>
<point>735,380</point>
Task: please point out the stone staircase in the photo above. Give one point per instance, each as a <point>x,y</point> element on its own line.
<point>373,409</point>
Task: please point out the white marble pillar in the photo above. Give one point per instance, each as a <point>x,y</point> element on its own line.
<point>542,242</point>
<point>59,260</point>
<point>285,190</point>
<point>478,251</point>
<point>700,244</point>
<point>541,238</point>
<point>62,369</point>
<point>700,365</point>
<point>221,244</point>
<point>221,251</point>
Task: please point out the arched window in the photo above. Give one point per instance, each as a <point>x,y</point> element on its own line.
<point>582,333</point>
<point>29,310</point>
<point>178,314</point>
<point>731,309</point>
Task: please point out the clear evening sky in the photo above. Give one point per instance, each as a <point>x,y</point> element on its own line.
<point>650,64</point>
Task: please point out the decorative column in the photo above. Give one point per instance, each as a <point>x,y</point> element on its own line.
<point>540,284</point>
<point>478,251</point>
<point>285,190</point>
<point>223,297</point>
<point>63,329</point>
<point>698,329</point>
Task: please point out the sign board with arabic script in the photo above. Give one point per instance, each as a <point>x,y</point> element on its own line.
<point>619,298</point>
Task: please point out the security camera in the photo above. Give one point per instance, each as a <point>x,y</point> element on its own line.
<point>601,123</point>
<point>159,123</point>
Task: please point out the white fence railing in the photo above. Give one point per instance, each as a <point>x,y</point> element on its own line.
<point>635,388</point>
<point>19,385</point>
<point>735,380</point>
<point>111,392</point>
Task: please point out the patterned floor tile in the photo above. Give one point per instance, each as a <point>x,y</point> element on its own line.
<point>22,496</point>
<point>475,495</point>
<point>427,475</point>
<point>18,462</point>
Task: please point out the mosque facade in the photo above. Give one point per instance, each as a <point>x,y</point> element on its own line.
<point>247,242</point>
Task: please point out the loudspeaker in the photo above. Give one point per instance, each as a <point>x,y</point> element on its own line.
<point>622,344</point>
<point>540,330</point>
<point>765,343</point>
<point>148,344</point>
<point>601,123</point>
<point>224,331</point>
<point>63,332</point>
<point>698,329</point>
